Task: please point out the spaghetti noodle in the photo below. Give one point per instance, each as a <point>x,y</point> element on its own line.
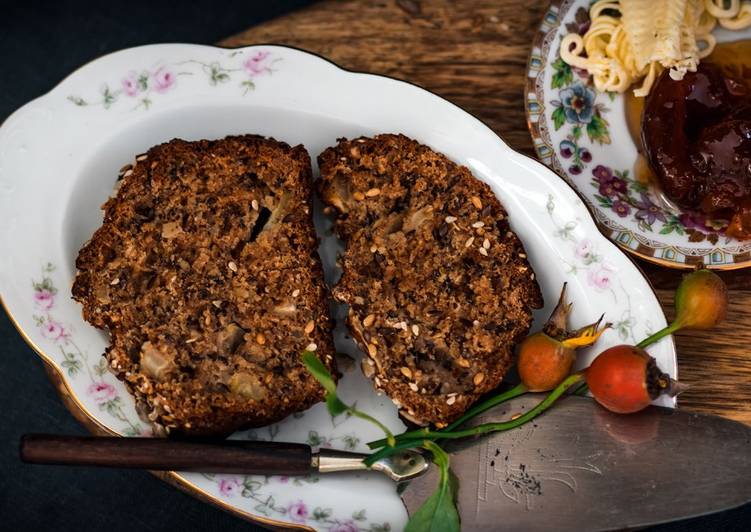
<point>631,41</point>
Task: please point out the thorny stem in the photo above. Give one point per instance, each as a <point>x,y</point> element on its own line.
<point>476,410</point>
<point>485,428</point>
<point>670,329</point>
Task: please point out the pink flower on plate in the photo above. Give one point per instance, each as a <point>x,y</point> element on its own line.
<point>284,479</point>
<point>101,392</point>
<point>255,64</point>
<point>584,248</point>
<point>345,526</point>
<point>298,512</point>
<point>44,299</point>
<point>602,277</point>
<point>130,84</point>
<point>229,487</point>
<point>163,78</point>
<point>55,331</point>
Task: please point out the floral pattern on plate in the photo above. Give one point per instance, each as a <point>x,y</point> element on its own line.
<point>142,85</point>
<point>298,511</point>
<point>582,135</point>
<point>75,361</point>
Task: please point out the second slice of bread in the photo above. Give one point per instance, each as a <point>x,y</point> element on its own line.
<point>438,286</point>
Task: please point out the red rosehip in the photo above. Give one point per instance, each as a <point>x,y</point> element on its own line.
<point>626,379</point>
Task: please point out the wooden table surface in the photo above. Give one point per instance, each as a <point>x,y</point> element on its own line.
<point>474,53</point>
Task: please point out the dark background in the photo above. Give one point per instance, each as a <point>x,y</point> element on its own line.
<point>40,44</point>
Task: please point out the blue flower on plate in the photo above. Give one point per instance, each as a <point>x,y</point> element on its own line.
<point>578,103</point>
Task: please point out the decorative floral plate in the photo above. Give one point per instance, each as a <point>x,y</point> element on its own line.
<point>59,159</point>
<point>583,136</point>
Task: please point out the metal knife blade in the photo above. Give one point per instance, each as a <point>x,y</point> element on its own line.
<point>580,467</point>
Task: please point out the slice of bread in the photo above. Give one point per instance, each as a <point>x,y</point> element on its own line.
<point>438,286</point>
<point>206,275</point>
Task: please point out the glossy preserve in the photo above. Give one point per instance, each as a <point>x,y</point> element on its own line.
<point>697,137</point>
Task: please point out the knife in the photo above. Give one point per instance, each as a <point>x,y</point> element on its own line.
<point>576,467</point>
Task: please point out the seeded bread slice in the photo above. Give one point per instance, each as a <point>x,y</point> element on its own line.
<point>438,285</point>
<point>206,275</point>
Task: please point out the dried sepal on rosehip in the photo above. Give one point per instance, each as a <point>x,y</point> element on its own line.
<point>546,357</point>
<point>625,379</point>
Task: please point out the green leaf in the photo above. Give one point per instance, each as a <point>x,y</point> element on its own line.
<point>597,130</point>
<point>438,513</point>
<point>335,405</point>
<point>576,133</point>
<point>314,439</point>
<point>248,86</point>
<point>143,81</point>
<point>666,229</point>
<point>100,368</point>
<point>77,100</point>
<point>350,441</point>
<point>319,371</point>
<point>562,75</point>
<point>604,202</point>
<point>559,118</point>
<point>321,514</point>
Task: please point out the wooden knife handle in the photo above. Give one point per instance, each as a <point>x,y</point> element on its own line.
<point>227,456</point>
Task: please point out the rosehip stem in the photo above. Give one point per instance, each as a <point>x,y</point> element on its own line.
<point>659,335</point>
<point>485,428</point>
<point>388,451</point>
<point>479,408</point>
<point>582,390</point>
<point>476,410</point>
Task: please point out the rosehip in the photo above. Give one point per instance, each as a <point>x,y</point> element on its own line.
<point>626,379</point>
<point>546,357</point>
<point>701,300</point>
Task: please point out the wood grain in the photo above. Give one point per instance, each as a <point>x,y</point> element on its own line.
<point>474,53</point>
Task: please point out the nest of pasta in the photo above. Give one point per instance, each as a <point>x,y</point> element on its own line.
<point>630,42</point>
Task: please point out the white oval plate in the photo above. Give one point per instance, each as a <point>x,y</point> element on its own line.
<point>60,155</point>
<point>593,151</point>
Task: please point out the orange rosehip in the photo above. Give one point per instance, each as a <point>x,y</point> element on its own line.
<point>701,301</point>
<point>546,357</point>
